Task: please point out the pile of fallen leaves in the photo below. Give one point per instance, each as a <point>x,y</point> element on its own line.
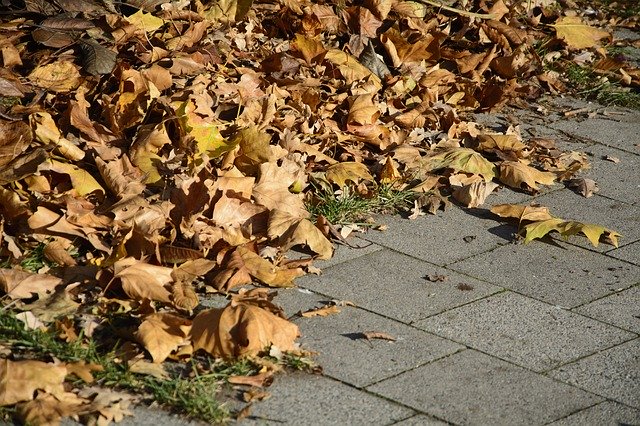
<point>158,150</point>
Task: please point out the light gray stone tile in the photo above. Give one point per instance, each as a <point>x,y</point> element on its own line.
<point>524,331</point>
<point>394,285</point>
<point>606,413</point>
<point>621,309</point>
<point>630,253</point>
<point>421,420</point>
<point>303,399</point>
<point>472,388</point>
<point>620,181</point>
<point>442,238</point>
<point>614,373</point>
<point>604,130</point>
<point>559,274</point>
<point>345,355</point>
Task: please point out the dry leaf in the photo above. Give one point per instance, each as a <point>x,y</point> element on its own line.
<point>519,175</point>
<point>576,34</point>
<point>163,333</point>
<point>341,173</point>
<point>369,335</point>
<point>321,312</point>
<point>20,379</point>
<point>583,186</point>
<point>241,330</point>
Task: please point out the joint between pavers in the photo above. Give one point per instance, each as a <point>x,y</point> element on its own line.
<point>573,361</point>
<point>577,411</point>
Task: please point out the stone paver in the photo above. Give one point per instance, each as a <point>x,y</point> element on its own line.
<point>342,351</point>
<point>604,130</point>
<point>630,253</point>
<point>556,273</point>
<point>604,414</point>
<point>472,388</point>
<point>442,238</point>
<point>614,373</point>
<point>302,399</point>
<point>394,285</point>
<point>420,420</point>
<point>524,331</point>
<point>621,309</point>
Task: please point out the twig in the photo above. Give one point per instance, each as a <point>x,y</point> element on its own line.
<point>458,11</point>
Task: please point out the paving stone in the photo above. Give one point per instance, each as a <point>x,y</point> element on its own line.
<point>621,309</point>
<point>342,253</point>
<point>557,273</point>
<point>346,355</point>
<point>615,215</point>
<point>303,399</point>
<point>606,131</point>
<point>614,373</point>
<point>440,239</point>
<point>524,331</point>
<point>630,253</point>
<point>473,388</point>
<point>606,413</point>
<point>394,285</point>
<point>620,181</point>
<point>420,420</point>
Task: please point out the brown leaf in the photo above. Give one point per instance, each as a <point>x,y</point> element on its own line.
<point>378,335</point>
<point>55,252</point>
<point>321,312</point>
<point>436,278</point>
<point>583,186</point>
<point>522,213</point>
<point>141,280</point>
<point>259,380</point>
<point>475,194</point>
<point>20,379</point>
<point>83,370</point>
<point>60,76</point>
<point>519,175</point>
<point>163,333</point>
<point>241,330</point>
<point>184,296</point>
<point>24,285</point>
<point>47,409</point>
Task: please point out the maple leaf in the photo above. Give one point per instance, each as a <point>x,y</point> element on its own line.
<point>576,34</point>
<point>461,159</point>
<point>141,280</point>
<point>23,285</point>
<point>341,173</point>
<point>522,213</point>
<point>20,379</point>
<point>162,333</point>
<point>241,330</point>
<point>519,175</point>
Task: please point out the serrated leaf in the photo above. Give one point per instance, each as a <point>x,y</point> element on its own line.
<point>461,160</point>
<point>576,34</point>
<point>349,171</point>
<point>522,213</point>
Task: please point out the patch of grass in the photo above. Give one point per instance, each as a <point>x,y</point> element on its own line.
<point>34,260</point>
<point>192,396</point>
<point>590,85</point>
<point>347,206</point>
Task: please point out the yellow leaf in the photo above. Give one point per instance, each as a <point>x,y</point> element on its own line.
<point>350,68</point>
<point>203,130</point>
<point>462,160</point>
<point>310,49</point>
<point>341,173</point>
<point>578,35</point>
<point>522,213</point>
<point>390,172</point>
<point>519,175</point>
<point>593,232</point>
<point>163,333</point>
<point>59,76</point>
<point>47,132</point>
<point>81,180</point>
<point>145,21</point>
<point>501,142</point>
<point>541,228</point>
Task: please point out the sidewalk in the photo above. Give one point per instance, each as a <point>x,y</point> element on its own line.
<point>548,332</point>
<point>514,334</point>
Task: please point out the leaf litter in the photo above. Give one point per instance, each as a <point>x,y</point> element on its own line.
<point>157,153</point>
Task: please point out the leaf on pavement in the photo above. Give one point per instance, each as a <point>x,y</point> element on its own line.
<point>475,194</point>
<point>521,176</point>
<point>321,312</point>
<point>583,186</point>
<point>522,213</point>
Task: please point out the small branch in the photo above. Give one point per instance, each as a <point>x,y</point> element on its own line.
<point>458,11</point>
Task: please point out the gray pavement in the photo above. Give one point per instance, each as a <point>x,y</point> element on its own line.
<point>544,333</point>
